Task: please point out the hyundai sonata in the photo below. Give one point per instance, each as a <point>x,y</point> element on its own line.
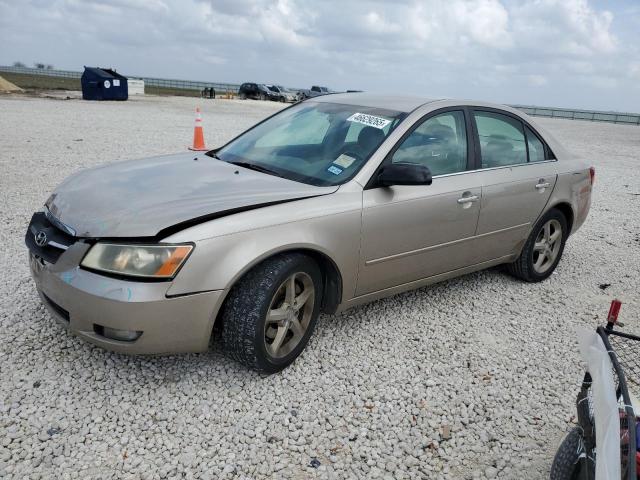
<point>332,202</point>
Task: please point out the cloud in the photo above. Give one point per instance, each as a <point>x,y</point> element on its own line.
<point>566,28</point>
<point>565,52</point>
<point>487,22</point>
<point>537,80</point>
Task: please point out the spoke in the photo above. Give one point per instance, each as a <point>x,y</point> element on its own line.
<point>277,315</point>
<point>539,246</point>
<point>290,294</point>
<point>277,342</point>
<point>547,231</point>
<point>289,315</point>
<point>301,299</point>
<point>555,236</point>
<point>296,327</point>
<point>540,261</point>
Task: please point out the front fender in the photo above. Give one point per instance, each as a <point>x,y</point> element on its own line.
<point>218,262</point>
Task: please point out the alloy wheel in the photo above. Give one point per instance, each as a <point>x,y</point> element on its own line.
<point>547,246</point>
<point>289,314</point>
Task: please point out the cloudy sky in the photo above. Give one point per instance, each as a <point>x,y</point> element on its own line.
<point>570,53</point>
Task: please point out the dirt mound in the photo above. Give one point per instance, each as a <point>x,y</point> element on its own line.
<point>7,86</point>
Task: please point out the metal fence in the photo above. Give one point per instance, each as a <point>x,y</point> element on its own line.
<point>148,81</point>
<point>41,71</point>
<point>594,116</point>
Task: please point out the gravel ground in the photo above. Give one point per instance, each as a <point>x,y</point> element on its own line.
<point>471,378</point>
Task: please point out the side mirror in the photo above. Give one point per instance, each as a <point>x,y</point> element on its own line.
<point>404,174</point>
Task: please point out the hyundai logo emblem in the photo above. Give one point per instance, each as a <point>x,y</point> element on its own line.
<point>41,238</point>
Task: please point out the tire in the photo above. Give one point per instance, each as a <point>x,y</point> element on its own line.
<point>243,96</point>
<point>263,97</point>
<point>527,267</point>
<point>248,336</point>
<point>566,463</point>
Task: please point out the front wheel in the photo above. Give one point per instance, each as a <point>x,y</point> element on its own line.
<point>543,249</point>
<point>569,459</point>
<point>271,312</point>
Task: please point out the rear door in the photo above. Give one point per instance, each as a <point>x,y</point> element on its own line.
<point>517,174</point>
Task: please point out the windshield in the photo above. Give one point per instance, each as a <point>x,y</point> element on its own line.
<point>316,143</point>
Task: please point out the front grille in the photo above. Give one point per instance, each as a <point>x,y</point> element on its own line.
<point>57,241</point>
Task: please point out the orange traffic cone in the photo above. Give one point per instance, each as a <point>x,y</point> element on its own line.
<point>198,135</point>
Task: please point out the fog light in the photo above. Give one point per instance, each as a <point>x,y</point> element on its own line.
<point>115,334</point>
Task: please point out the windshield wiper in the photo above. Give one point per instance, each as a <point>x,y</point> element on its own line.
<point>257,168</point>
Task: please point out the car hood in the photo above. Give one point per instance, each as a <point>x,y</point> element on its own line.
<point>141,198</point>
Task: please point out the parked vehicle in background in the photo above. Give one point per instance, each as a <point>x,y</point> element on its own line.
<point>256,91</point>
<point>314,91</point>
<point>331,203</point>
<point>284,94</point>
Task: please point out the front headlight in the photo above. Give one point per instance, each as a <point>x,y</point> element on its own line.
<point>153,261</point>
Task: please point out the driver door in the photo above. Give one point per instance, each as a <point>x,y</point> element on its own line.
<point>414,232</point>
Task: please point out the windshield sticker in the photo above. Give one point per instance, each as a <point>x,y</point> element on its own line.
<point>335,170</point>
<point>344,161</point>
<point>369,120</point>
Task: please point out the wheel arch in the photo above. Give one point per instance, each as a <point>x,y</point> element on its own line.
<point>331,274</point>
<point>567,210</point>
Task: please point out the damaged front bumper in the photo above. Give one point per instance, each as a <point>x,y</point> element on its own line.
<point>117,314</point>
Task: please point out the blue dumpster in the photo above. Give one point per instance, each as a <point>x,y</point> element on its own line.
<point>103,84</point>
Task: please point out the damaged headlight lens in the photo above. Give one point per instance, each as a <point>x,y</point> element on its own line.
<point>153,261</point>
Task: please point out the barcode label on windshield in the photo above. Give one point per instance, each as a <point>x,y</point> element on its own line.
<point>369,120</point>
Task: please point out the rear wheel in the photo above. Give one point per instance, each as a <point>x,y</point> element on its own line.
<point>567,464</point>
<point>243,96</point>
<point>263,96</point>
<point>543,249</point>
<point>272,311</point>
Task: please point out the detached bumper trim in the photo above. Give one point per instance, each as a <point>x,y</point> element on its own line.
<point>61,312</point>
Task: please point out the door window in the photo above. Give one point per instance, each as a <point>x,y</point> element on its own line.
<point>536,147</point>
<point>502,140</point>
<point>439,143</point>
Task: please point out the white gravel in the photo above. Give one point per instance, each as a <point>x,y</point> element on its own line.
<point>471,378</point>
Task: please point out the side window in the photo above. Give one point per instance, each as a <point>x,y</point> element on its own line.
<point>308,129</point>
<point>501,140</point>
<point>439,143</point>
<point>536,147</point>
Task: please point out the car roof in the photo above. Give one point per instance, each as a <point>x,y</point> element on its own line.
<point>400,103</point>
<point>404,103</point>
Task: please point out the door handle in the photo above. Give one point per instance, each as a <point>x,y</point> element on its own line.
<point>542,184</point>
<point>469,199</point>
